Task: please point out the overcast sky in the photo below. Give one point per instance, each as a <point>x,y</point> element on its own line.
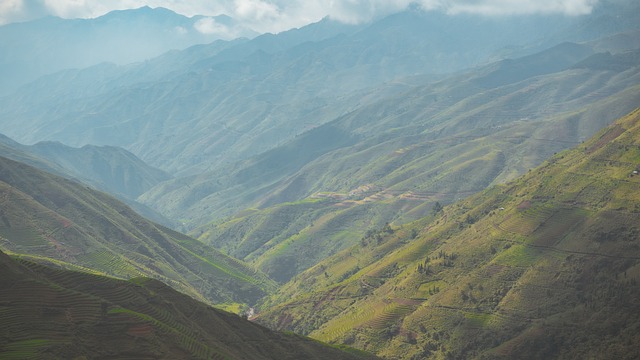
<point>278,15</point>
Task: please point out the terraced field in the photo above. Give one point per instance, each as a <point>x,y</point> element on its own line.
<point>59,314</point>
<point>527,218</point>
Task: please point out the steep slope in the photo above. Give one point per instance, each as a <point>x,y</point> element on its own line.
<point>546,266</point>
<point>435,143</point>
<point>60,314</point>
<point>113,169</point>
<point>55,220</point>
<point>108,168</point>
<point>15,151</point>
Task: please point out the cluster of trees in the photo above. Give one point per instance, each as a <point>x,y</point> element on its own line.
<point>448,261</point>
<point>376,236</point>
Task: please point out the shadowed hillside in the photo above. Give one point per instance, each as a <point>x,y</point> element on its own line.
<point>50,313</point>
<point>546,266</point>
<point>55,220</point>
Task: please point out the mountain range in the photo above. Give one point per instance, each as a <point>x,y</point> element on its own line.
<point>443,141</point>
<point>224,102</point>
<point>545,266</point>
<point>51,44</point>
<point>214,115</point>
<point>425,185</point>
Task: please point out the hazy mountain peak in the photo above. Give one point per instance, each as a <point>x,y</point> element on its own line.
<point>39,47</point>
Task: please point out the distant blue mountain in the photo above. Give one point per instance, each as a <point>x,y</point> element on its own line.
<point>34,48</point>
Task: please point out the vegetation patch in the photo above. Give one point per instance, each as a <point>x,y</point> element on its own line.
<point>25,349</point>
<point>517,255</point>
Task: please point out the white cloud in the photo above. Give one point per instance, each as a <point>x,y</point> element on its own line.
<point>507,7</point>
<point>10,9</point>
<point>278,15</point>
<point>209,26</point>
<point>21,10</point>
<point>256,10</point>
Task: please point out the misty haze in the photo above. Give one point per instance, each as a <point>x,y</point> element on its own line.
<point>270,179</point>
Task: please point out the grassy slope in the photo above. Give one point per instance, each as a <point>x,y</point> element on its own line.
<point>61,314</point>
<point>544,266</point>
<point>45,216</point>
<point>426,150</point>
<point>110,169</point>
<point>403,119</point>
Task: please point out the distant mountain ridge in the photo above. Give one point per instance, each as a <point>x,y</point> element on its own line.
<point>107,168</point>
<point>114,169</point>
<point>35,48</point>
<point>212,107</point>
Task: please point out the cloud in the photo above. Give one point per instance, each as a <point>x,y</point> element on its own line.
<point>256,10</point>
<point>21,10</point>
<point>9,10</point>
<point>521,7</point>
<point>209,26</point>
<point>279,15</point>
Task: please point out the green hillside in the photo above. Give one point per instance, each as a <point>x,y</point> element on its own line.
<point>54,220</point>
<point>106,168</point>
<point>545,266</point>
<point>440,143</point>
<point>111,169</point>
<point>49,313</point>
<point>432,184</point>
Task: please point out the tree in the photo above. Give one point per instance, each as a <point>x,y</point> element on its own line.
<point>437,207</point>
